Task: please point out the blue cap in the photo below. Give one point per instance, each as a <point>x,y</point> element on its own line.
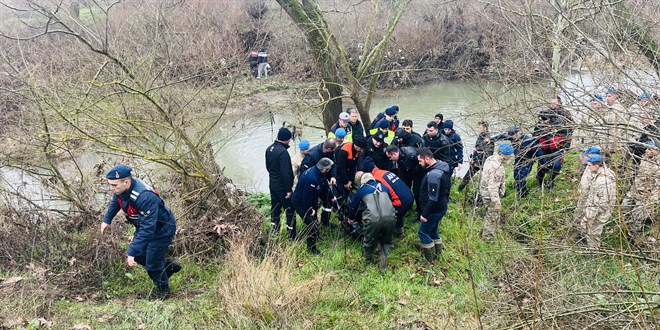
<point>598,97</point>
<point>644,95</point>
<point>391,111</point>
<point>611,90</point>
<point>119,172</point>
<point>593,150</point>
<point>304,145</point>
<point>383,123</point>
<point>340,133</point>
<point>595,159</point>
<point>651,143</point>
<point>506,149</point>
<point>448,124</point>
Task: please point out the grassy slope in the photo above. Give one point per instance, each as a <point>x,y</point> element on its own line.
<point>501,283</point>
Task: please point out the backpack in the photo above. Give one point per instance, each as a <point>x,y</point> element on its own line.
<point>379,206</point>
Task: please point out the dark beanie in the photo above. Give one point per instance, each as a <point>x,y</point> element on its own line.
<point>391,111</point>
<point>368,164</point>
<point>383,123</point>
<point>448,124</point>
<point>401,133</point>
<point>360,142</point>
<point>284,134</point>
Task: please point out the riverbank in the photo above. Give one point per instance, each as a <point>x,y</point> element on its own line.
<point>532,275</point>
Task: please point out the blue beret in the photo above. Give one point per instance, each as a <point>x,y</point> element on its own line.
<point>391,111</point>
<point>651,144</point>
<point>644,95</point>
<point>593,150</point>
<point>595,159</point>
<point>119,172</point>
<point>304,145</point>
<point>340,133</point>
<point>611,90</point>
<point>506,149</point>
<point>448,124</point>
<point>383,123</point>
<point>598,97</point>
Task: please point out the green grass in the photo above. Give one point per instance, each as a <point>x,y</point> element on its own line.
<point>532,262</point>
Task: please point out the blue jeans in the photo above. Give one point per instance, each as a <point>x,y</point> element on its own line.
<point>428,231</point>
<point>521,170</point>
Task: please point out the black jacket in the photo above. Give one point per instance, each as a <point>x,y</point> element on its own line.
<point>434,189</point>
<point>440,147</point>
<point>378,155</point>
<point>278,164</point>
<point>313,156</point>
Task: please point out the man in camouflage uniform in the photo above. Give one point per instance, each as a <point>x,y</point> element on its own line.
<point>642,199</point>
<point>585,181</point>
<point>599,199</point>
<point>492,188</point>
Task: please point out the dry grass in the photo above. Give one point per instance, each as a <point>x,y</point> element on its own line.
<point>264,292</point>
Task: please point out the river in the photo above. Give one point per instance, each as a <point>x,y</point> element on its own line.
<point>243,153</point>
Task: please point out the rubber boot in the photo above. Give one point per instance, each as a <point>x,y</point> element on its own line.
<point>428,251</point>
<point>384,255</point>
<point>398,232</point>
<point>368,255</point>
<point>438,247</point>
<point>462,185</point>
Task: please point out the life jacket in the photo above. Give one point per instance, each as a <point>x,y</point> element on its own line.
<point>130,209</point>
<point>379,206</point>
<point>348,147</point>
<point>551,144</point>
<point>379,175</point>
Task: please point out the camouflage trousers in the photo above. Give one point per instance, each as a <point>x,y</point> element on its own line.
<point>637,210</point>
<point>492,218</point>
<point>592,223</point>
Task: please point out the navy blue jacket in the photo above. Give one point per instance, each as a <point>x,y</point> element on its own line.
<point>366,189</point>
<point>312,184</point>
<point>455,148</point>
<point>434,190</point>
<point>146,211</point>
<point>278,164</point>
<point>393,125</point>
<point>483,148</point>
<point>313,156</point>
<point>524,148</point>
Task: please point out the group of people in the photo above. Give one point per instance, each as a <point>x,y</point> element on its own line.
<point>398,168</point>
<point>390,159</point>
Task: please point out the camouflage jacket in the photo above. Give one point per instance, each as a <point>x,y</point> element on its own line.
<point>492,179</point>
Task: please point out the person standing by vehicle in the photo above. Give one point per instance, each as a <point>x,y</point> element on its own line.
<point>262,62</point>
<point>154,223</point>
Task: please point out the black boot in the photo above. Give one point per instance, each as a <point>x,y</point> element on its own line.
<point>462,185</point>
<point>368,256</point>
<point>384,256</point>
<point>172,268</point>
<point>160,294</point>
